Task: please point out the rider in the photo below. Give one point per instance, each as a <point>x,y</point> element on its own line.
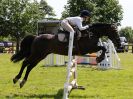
<point>67,23</point>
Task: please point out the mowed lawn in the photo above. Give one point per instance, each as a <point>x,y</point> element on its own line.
<point>48,82</point>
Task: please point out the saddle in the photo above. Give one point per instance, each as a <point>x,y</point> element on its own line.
<point>63,36</point>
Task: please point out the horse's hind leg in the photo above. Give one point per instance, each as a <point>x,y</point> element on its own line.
<point>29,68</point>
<point>25,63</point>
<point>33,62</point>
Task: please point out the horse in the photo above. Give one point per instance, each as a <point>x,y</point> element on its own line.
<point>35,48</point>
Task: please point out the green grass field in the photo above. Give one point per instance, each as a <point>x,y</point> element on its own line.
<point>48,82</point>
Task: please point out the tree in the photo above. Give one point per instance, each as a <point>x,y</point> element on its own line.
<point>74,7</point>
<point>19,17</point>
<point>47,10</point>
<point>102,10</point>
<point>127,32</point>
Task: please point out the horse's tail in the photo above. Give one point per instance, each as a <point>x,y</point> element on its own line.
<point>25,48</point>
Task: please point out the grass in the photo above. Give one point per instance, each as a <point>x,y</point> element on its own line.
<point>48,82</point>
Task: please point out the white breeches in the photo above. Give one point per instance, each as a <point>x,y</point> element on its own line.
<point>65,25</point>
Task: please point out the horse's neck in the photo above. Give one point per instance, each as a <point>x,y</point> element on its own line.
<point>100,31</point>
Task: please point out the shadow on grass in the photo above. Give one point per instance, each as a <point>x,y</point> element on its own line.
<point>59,95</point>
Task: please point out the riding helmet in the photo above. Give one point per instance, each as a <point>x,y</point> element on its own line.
<point>85,13</point>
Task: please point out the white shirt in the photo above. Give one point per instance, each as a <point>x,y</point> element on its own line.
<point>77,21</point>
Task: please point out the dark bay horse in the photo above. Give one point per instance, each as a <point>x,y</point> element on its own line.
<point>35,48</point>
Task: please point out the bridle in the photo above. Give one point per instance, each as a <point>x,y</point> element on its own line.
<point>87,33</point>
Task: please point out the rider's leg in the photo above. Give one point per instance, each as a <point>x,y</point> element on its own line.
<point>65,24</point>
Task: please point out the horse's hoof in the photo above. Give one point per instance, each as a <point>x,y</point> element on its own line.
<point>22,83</point>
<point>15,80</point>
<point>98,60</point>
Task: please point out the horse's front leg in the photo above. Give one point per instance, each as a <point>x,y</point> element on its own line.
<point>102,56</point>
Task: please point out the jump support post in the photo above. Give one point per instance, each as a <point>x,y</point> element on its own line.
<point>71,71</point>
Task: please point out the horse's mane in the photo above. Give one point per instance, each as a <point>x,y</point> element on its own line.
<point>102,27</point>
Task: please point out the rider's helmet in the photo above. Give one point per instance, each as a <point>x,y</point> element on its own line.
<point>85,13</point>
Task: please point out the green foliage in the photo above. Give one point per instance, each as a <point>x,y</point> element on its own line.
<point>102,10</point>
<point>19,17</point>
<point>47,10</point>
<point>74,7</point>
<point>108,11</point>
<point>128,33</point>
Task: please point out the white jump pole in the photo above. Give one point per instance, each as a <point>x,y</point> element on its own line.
<point>113,58</point>
<point>66,93</point>
<point>71,70</point>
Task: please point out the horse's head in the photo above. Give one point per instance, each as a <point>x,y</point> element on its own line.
<point>105,29</point>
<point>113,35</point>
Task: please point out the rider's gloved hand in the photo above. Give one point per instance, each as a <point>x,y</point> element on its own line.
<point>87,26</point>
